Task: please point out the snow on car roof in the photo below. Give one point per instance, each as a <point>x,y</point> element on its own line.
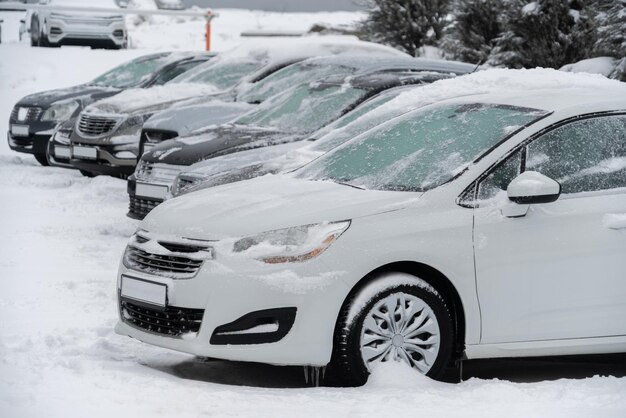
<point>538,88</point>
<point>279,52</point>
<point>380,63</point>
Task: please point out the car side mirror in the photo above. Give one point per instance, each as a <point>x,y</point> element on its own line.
<point>532,187</point>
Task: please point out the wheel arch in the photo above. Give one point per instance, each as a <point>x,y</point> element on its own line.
<point>433,277</point>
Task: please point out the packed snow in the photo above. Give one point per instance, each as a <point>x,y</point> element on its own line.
<point>62,236</point>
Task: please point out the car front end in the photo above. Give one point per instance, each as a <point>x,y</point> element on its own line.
<point>86,29</point>
<point>107,144</point>
<point>207,283</point>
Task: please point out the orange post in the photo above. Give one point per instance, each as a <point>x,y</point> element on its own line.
<point>209,17</point>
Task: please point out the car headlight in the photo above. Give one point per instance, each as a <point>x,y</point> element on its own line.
<point>60,111</point>
<point>289,245</point>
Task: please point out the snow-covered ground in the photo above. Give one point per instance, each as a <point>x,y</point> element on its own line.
<point>61,236</point>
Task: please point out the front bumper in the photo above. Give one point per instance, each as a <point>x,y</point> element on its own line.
<point>86,32</point>
<point>36,141</point>
<point>59,153</point>
<point>105,163</point>
<point>228,297</point>
<point>114,154</point>
<point>139,206</point>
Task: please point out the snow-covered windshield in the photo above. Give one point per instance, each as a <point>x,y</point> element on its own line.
<point>303,109</point>
<point>288,77</point>
<point>357,121</point>
<point>421,149</point>
<point>132,73</point>
<point>221,74</point>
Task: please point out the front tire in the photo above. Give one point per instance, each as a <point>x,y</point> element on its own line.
<point>395,317</point>
<point>42,159</point>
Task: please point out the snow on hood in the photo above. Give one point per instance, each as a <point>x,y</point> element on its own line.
<point>246,158</point>
<point>184,119</point>
<point>135,100</point>
<point>273,202</point>
<point>82,91</point>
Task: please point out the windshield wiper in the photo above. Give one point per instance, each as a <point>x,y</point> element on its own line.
<point>350,185</point>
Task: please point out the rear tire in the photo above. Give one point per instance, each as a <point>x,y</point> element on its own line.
<point>42,159</point>
<point>87,173</point>
<point>419,330</point>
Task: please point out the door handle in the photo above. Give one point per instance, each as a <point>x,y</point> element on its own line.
<point>614,220</point>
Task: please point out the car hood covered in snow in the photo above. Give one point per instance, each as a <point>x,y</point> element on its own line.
<point>267,203</point>
<point>194,114</point>
<point>213,142</point>
<point>82,91</point>
<point>147,100</point>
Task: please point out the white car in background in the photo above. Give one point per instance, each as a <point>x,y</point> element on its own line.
<point>170,4</point>
<point>486,225</point>
<point>49,28</point>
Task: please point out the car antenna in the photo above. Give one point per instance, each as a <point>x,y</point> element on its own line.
<point>480,62</point>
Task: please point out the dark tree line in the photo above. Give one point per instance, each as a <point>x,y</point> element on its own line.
<point>510,33</point>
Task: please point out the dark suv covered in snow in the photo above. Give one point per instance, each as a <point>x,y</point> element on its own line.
<point>35,116</point>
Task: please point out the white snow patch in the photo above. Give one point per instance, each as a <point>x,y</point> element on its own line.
<point>384,282</point>
<point>614,221</point>
<point>289,281</point>
<point>599,65</point>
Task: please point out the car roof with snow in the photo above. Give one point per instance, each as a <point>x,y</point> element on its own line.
<point>369,63</point>
<point>280,53</point>
<point>539,88</point>
<point>584,99</point>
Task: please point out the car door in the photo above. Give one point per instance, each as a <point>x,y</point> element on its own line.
<point>559,271</point>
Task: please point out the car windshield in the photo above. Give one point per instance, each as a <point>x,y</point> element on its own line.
<point>221,74</point>
<point>357,121</point>
<point>132,73</point>
<point>290,76</point>
<point>303,109</point>
<point>421,149</point>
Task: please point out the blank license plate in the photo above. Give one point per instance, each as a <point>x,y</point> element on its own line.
<point>19,130</point>
<point>61,152</point>
<point>154,191</point>
<point>89,153</point>
<point>144,291</point>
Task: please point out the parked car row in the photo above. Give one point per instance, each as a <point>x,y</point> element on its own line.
<point>339,204</point>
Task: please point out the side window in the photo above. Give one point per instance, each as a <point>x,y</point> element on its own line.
<point>498,180</point>
<point>586,155</point>
<point>174,72</point>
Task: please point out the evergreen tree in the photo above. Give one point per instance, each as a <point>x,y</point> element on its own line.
<point>475,26</point>
<point>544,33</point>
<point>611,33</point>
<point>405,24</point>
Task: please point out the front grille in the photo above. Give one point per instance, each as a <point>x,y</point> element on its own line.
<point>173,266</point>
<point>157,172</point>
<point>172,321</point>
<point>32,113</point>
<point>183,183</point>
<point>139,207</point>
<point>91,125</point>
<point>86,22</point>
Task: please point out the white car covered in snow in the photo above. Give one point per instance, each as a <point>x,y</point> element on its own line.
<point>486,225</point>
<point>67,27</point>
